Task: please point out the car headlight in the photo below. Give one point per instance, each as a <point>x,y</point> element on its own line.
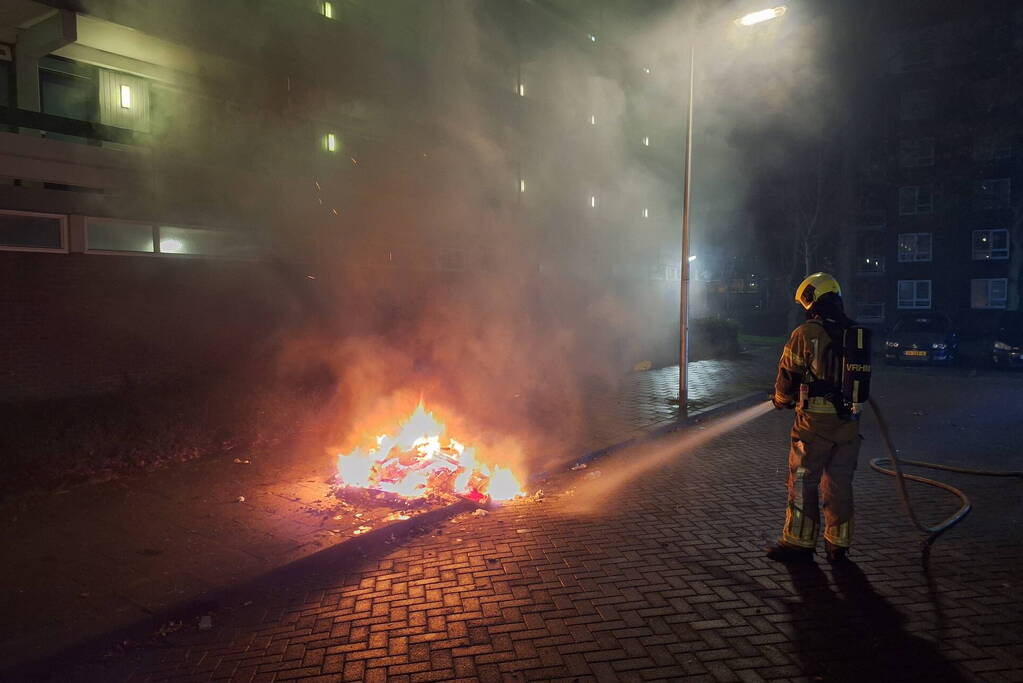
<point>938,345</point>
<point>1002,346</point>
<point>892,344</point>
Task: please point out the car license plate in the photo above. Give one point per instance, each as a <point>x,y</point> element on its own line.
<point>914,353</point>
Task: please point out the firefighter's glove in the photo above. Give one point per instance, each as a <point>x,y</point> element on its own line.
<point>782,406</point>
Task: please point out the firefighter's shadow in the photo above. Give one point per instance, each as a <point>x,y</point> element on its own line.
<point>853,634</point>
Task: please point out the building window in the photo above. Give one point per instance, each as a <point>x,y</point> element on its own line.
<point>868,297</point>
<point>592,37</point>
<point>104,235</point>
<point>990,244</point>
<point>522,184</point>
<point>593,201</point>
<point>593,119</point>
<point>68,89</point>
<point>914,246</point>
<point>205,242</point>
<point>916,152</point>
<point>988,293</point>
<point>916,105</point>
<point>914,199</point>
<point>914,294</point>
<point>992,148</point>
<point>330,142</point>
<point>870,252</point>
<point>646,140</point>
<point>30,231</point>
<point>993,193</point>
<point>327,9</point>
<point>521,89</point>
<point>646,213</point>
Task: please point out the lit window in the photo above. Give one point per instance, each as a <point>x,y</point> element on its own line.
<point>646,141</point>
<point>593,119</point>
<point>646,70</point>
<point>522,185</point>
<point>172,246</point>
<point>990,244</point>
<point>592,37</point>
<point>328,9</point>
<point>646,213</point>
<point>914,246</point>
<point>126,97</point>
<point>593,201</point>
<point>330,142</point>
<point>522,90</point>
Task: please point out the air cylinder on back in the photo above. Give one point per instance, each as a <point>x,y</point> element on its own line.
<point>856,364</point>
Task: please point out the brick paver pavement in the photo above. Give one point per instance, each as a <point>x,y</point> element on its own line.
<point>648,400</point>
<point>663,578</point>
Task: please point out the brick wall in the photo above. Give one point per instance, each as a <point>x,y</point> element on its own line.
<point>74,324</point>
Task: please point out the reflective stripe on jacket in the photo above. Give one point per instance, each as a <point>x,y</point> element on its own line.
<point>802,360</point>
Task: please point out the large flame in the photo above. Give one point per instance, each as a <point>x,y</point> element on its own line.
<point>418,461</point>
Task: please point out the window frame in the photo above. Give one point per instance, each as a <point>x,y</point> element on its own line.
<point>64,237</point>
<point>989,281</point>
<point>976,198</point>
<point>909,151</point>
<point>916,297</point>
<point>991,256</point>
<point>916,248</point>
<point>120,252</point>
<point>918,207</point>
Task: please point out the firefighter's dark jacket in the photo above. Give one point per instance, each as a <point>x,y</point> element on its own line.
<point>805,358</point>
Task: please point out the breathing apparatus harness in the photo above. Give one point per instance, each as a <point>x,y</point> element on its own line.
<point>846,362</point>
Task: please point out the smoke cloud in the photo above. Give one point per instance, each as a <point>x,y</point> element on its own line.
<point>498,232</point>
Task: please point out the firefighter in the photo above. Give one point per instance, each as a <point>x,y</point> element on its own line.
<point>825,434</point>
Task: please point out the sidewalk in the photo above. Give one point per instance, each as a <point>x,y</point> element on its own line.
<point>648,400</point>
<point>105,556</point>
<point>661,578</point>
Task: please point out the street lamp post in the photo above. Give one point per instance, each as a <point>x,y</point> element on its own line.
<point>751,19</point>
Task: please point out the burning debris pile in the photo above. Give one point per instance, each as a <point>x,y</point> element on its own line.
<point>419,461</point>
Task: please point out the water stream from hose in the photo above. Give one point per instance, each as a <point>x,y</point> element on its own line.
<point>593,493</point>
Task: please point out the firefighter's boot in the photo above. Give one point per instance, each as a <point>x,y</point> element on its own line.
<point>836,553</point>
<point>783,552</point>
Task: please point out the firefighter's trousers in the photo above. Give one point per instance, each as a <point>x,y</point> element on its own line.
<point>822,461</point>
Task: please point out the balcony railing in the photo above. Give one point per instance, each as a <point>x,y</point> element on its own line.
<point>85,132</point>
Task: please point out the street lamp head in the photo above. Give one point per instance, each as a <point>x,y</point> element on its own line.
<point>761,16</point>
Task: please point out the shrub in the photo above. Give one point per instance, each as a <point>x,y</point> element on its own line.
<point>713,338</point>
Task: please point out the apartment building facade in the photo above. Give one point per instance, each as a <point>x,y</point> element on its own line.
<point>937,225</point>
<point>177,186</point>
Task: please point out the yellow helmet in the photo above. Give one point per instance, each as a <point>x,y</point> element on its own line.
<point>814,287</point>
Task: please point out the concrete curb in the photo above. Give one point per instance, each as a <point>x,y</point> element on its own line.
<point>651,433</point>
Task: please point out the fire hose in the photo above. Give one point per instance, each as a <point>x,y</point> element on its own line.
<point>892,466</point>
